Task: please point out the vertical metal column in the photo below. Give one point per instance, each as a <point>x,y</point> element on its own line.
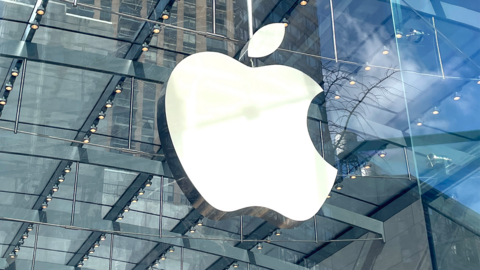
<point>315,228</point>
<point>241,229</point>
<point>250,18</point>
<point>20,96</point>
<point>214,17</point>
<point>161,208</point>
<point>438,48</point>
<point>35,246</point>
<point>75,183</point>
<point>111,253</point>
<point>333,31</point>
<point>321,139</point>
<point>181,258</point>
<point>130,124</point>
<point>407,163</point>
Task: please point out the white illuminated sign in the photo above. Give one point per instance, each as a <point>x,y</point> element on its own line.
<point>236,137</point>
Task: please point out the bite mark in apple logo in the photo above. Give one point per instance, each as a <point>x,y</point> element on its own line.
<point>236,137</point>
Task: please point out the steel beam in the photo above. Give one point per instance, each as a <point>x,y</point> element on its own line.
<point>189,220</point>
<point>151,256</point>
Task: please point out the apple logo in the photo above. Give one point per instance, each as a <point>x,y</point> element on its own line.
<point>236,138</point>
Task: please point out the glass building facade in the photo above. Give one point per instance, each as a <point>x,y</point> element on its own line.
<point>86,184</point>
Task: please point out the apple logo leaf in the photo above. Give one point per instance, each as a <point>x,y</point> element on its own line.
<point>266,40</point>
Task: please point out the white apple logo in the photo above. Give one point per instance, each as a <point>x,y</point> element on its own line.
<point>236,137</point>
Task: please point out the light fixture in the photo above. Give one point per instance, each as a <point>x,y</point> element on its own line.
<point>3,101</point>
<point>478,82</point>
<point>329,195</point>
<point>268,239</point>
<point>120,216</point>
<point>8,86</point>
<point>285,22</point>
<point>141,191</point>
<point>80,264</point>
<point>103,237</point>
<point>259,246</point>
<point>126,209</point>
<point>145,47</point>
<point>367,166</point>
<point>101,115</point>
<point>12,255</point>
<point>61,178</point>
<point>435,110</point>
<point>192,229</point>
<point>85,258</point>
<point>303,2</point>
<point>156,29</point>
<point>165,15</point>
<point>93,128</point>
<point>385,50</point>
<point>135,199</point>
<point>118,89</point>
<point>235,265</point>
<point>337,95</point>
<point>419,122</point>
<point>382,154</point>
<point>55,188</point>
<point>91,250</point>
<point>171,249</point>
<point>456,96</point>
<point>86,139</point>
<point>367,66</point>
<point>21,242</point>
<point>41,11</point>
<point>149,182</point>
<point>14,72</point>
<point>29,228</point>
<point>25,235</point>
<point>200,222</point>
<point>44,205</point>
<point>17,248</point>
<point>338,186</point>
<point>156,263</point>
<point>97,244</point>
<point>67,169</point>
<point>109,104</point>
<point>399,34</point>
<point>34,25</point>
<point>352,80</point>
<point>353,176</point>
<point>278,232</point>
<point>163,257</point>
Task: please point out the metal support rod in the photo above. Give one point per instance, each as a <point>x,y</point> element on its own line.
<point>407,163</point>
<point>161,208</point>
<point>20,95</point>
<point>214,17</point>
<point>130,124</point>
<point>248,266</point>
<point>250,18</point>
<point>315,228</point>
<point>333,32</point>
<point>35,246</point>
<point>181,258</point>
<point>75,183</point>
<point>321,139</point>
<point>111,252</point>
<point>241,229</point>
<point>74,3</point>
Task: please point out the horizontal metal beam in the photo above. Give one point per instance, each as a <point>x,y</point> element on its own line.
<point>189,220</point>
<point>61,56</point>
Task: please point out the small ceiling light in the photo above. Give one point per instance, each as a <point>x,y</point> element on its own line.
<point>67,169</point>
<point>385,50</point>
<point>156,263</point>
<point>478,82</point>
<point>456,96</point>
<point>14,72</point>
<point>145,47</point>
<point>337,95</point>
<point>303,2</point>
<point>101,115</point>
<point>21,242</point>
<point>8,86</point>
<point>61,178</point>
<point>103,237</point>
<point>165,15</point>
<point>86,139</point>
<point>278,232</point>
<point>97,244</point>
<point>118,89</point>
<point>3,101</point>
<point>200,222</point>
<point>91,250</point>
<point>382,154</point>
<point>85,258</point>
<point>171,249</point>
<point>235,265</point>
<point>80,264</point>
<point>192,229</point>
<point>163,257</point>
<point>34,25</point>
<point>41,11</point>
<point>268,239</point>
<point>44,205</point>
<point>148,183</point>
<point>126,209</point>
<point>109,104</point>
<point>30,228</point>
<point>93,128</point>
<point>435,110</point>
<point>25,235</point>
<point>12,255</point>
<point>156,29</point>
<point>367,66</point>
<point>49,198</point>
<point>352,80</point>
<point>120,216</point>
<point>17,248</point>
<point>399,34</point>
<point>353,176</point>
<point>141,191</point>
<point>419,122</point>
<point>338,186</point>
<point>329,195</point>
<point>135,199</point>
<point>285,22</point>
<point>367,166</point>
<point>259,246</point>
<point>55,188</point>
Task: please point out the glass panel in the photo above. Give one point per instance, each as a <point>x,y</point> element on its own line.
<point>17,10</point>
